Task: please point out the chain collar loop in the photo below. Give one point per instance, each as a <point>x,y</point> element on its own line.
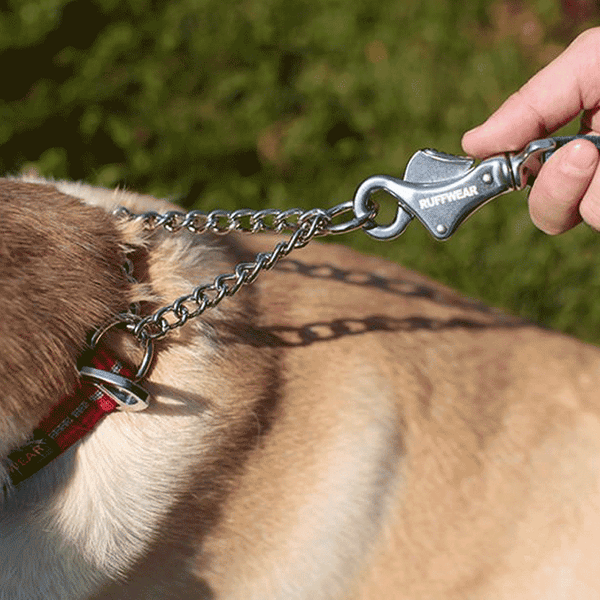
<point>304,225</point>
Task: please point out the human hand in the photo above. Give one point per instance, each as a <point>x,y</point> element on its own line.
<point>567,187</point>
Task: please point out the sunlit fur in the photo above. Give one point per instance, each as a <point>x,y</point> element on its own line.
<point>340,429</point>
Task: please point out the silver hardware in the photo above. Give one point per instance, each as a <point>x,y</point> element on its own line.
<point>441,190</point>
<point>209,295</point>
<point>524,163</point>
<point>363,204</point>
<point>128,395</point>
<point>246,220</point>
<point>358,222</point>
<point>447,201</point>
<point>305,225</point>
<point>432,166</point>
<point>129,322</point>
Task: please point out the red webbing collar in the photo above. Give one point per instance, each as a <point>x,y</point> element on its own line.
<point>69,420</point>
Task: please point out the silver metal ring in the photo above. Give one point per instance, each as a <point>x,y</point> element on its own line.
<point>128,395</point>
<point>146,342</point>
<point>354,224</point>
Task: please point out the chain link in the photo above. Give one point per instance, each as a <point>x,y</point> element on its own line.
<point>305,225</point>
<point>221,222</point>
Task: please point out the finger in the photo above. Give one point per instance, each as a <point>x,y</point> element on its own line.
<point>553,97</point>
<point>589,207</point>
<point>590,120</point>
<point>554,201</point>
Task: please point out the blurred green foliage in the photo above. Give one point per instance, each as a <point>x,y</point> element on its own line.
<point>281,103</point>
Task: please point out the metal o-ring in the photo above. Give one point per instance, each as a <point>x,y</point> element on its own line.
<point>147,344</point>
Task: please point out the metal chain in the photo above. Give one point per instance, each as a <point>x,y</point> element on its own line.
<point>305,226</point>
<point>246,220</point>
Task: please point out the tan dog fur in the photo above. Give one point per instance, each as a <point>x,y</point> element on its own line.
<point>341,429</point>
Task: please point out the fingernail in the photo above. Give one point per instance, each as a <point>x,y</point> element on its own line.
<point>582,156</point>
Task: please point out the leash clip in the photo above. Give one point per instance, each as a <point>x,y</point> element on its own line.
<point>442,190</point>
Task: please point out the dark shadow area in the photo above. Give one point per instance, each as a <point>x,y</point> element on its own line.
<point>398,287</point>
<point>312,333</point>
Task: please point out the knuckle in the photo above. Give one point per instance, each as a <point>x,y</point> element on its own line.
<point>588,37</point>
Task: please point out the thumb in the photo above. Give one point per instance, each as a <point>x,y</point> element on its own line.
<point>561,184</point>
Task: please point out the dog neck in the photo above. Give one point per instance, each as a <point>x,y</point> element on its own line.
<point>99,509</point>
<point>91,513</point>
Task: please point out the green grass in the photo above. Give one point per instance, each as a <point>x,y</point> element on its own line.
<point>277,103</point>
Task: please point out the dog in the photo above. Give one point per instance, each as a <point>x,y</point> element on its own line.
<point>342,428</point>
